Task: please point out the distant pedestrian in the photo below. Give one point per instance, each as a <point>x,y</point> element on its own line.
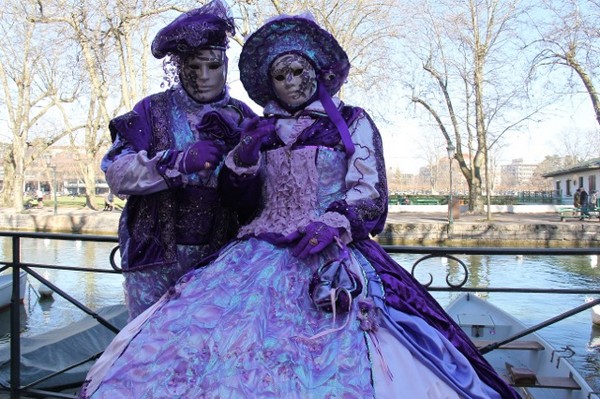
<point>39,196</point>
<point>577,198</point>
<point>594,200</point>
<point>109,201</point>
<point>584,201</point>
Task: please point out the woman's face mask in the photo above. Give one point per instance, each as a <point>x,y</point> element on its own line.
<point>294,80</point>
<point>203,74</point>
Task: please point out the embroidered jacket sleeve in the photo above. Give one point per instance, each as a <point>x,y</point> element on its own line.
<point>365,201</point>
<point>128,168</point>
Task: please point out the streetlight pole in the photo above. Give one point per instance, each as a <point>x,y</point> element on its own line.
<point>55,187</point>
<point>53,167</point>
<point>450,148</point>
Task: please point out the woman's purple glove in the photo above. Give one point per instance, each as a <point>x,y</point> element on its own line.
<point>255,133</point>
<point>202,155</point>
<point>314,238</point>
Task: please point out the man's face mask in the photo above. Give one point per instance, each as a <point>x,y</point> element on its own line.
<point>294,80</point>
<point>203,74</point>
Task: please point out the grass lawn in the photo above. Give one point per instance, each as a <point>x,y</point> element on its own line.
<point>68,201</point>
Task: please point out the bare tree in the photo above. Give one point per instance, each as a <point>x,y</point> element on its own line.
<point>552,163</point>
<point>467,86</point>
<point>569,37</point>
<point>113,43</point>
<point>433,152</point>
<point>33,86</point>
<point>578,145</point>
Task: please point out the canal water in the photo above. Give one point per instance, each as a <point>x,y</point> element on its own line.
<point>549,272</point>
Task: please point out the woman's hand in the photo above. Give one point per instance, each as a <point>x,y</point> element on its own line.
<point>255,133</point>
<point>314,238</point>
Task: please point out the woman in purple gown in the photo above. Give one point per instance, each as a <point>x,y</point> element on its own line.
<point>303,304</point>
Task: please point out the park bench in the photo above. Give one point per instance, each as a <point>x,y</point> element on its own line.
<point>425,201</point>
<point>570,212</point>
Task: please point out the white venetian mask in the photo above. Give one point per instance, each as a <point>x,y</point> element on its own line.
<point>294,79</point>
<point>203,74</point>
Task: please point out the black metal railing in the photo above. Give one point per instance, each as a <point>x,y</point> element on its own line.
<point>16,264</point>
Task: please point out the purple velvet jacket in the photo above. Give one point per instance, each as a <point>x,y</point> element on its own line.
<point>153,224</point>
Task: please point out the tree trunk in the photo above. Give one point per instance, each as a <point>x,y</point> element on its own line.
<point>14,175</point>
<point>89,179</point>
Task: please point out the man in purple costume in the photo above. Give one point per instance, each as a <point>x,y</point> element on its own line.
<point>166,157</point>
<point>303,304</point>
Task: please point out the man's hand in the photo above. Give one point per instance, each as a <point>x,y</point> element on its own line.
<point>202,155</point>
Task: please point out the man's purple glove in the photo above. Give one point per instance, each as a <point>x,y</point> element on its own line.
<point>255,133</point>
<point>202,155</point>
<point>314,238</point>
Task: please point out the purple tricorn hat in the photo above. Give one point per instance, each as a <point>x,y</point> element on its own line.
<point>206,27</point>
<point>291,34</point>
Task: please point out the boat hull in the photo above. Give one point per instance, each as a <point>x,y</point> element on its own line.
<point>595,312</point>
<point>6,288</point>
<point>57,350</point>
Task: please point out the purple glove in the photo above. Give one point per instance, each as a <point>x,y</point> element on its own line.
<point>220,126</point>
<point>315,238</point>
<point>255,133</point>
<point>202,155</point>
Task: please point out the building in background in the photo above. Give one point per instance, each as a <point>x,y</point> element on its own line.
<point>39,175</point>
<point>566,181</point>
<point>517,175</point>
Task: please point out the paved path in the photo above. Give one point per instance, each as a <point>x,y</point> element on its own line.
<point>502,218</point>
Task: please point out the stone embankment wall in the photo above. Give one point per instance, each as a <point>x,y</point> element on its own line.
<point>81,221</point>
<point>492,234</point>
<point>411,226</point>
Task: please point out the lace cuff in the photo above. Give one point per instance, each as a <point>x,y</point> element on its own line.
<point>241,170</point>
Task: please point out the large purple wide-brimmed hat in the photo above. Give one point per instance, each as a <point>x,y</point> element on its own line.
<point>291,34</point>
<point>206,27</point>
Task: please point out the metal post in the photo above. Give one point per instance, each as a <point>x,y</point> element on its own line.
<point>15,322</point>
<point>54,184</point>
<point>48,158</point>
<point>450,205</point>
<point>450,148</point>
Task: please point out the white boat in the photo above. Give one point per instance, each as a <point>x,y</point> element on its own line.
<point>530,364</point>
<point>6,288</point>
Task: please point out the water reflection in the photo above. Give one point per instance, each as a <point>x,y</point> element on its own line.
<point>595,338</point>
<point>5,323</point>
<point>94,290</point>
